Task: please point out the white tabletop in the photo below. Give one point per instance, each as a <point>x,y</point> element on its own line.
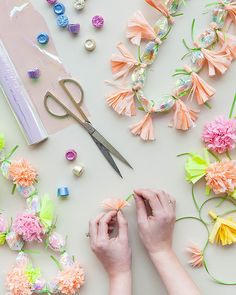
<point>155,164</point>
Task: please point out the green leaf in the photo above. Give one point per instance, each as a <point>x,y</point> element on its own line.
<point>32,274</point>
<point>2,141</point>
<point>2,239</point>
<point>195,168</point>
<point>46,214</point>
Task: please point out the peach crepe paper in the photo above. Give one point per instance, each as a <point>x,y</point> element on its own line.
<point>217,60</point>
<point>231,8</point>
<point>114,204</point>
<point>122,63</point>
<point>196,256</point>
<point>144,128</point>
<point>229,42</point>
<point>200,89</point>
<point>161,7</point>
<point>138,28</point>
<point>16,15</point>
<point>184,118</point>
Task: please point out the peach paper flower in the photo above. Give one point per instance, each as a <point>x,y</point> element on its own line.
<point>17,282</point>
<point>22,173</point>
<point>221,176</point>
<point>71,279</point>
<point>196,256</point>
<point>114,204</point>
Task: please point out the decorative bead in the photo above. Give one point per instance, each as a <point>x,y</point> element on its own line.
<point>165,104</point>
<point>98,21</point>
<point>197,60</point>
<point>26,192</point>
<point>78,170</point>
<point>183,84</point>
<point>33,204</point>
<point>4,168</point>
<point>207,38</point>
<point>90,45</point>
<point>14,241</point>
<point>59,8</point>
<point>34,74</point>
<point>51,1</point>
<point>150,53</point>
<point>43,38</point>
<point>161,27</point>
<point>172,5</point>
<point>79,4</point>
<point>74,28</point>
<point>219,16</point>
<point>66,260</point>
<point>71,155</point>
<point>62,21</point>
<point>56,242</point>
<point>39,286</point>
<point>138,77</point>
<point>63,192</point>
<point>22,259</point>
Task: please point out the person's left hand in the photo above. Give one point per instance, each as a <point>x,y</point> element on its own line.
<point>113,252</point>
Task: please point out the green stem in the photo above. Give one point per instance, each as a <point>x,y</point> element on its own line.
<point>232,108</point>
<point>11,152</point>
<point>215,279</point>
<point>13,189</point>
<point>208,105</point>
<point>139,54</point>
<point>184,154</point>
<point>194,199</point>
<point>228,155</point>
<point>214,155</point>
<point>129,197</point>
<point>227,213</point>
<point>56,262</point>
<point>222,201</point>
<point>192,29</point>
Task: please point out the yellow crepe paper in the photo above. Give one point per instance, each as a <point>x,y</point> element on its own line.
<point>224,230</point>
<point>46,214</point>
<point>196,166</point>
<point>2,239</point>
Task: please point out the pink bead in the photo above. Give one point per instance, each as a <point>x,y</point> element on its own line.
<point>71,155</point>
<point>98,21</point>
<point>51,1</point>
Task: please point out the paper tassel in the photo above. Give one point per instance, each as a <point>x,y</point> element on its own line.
<point>228,41</point>
<point>122,63</point>
<point>217,60</point>
<point>196,256</point>
<point>160,6</point>
<point>183,117</point>
<point>200,89</point>
<point>138,28</point>
<point>231,8</point>
<point>144,128</point>
<point>123,102</point>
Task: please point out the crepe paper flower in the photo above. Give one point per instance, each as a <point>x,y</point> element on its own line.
<point>196,256</point>
<point>220,135</point>
<point>231,8</point>
<point>22,173</point>
<point>122,63</point>
<point>32,274</point>
<point>71,279</point>
<point>139,29</point>
<point>17,282</point>
<point>114,204</point>
<point>195,167</point>
<point>56,242</point>
<point>29,227</point>
<point>144,128</point>
<point>228,41</point>
<point>3,224</point>
<point>184,118</point>
<point>224,230</point>
<point>2,238</point>
<point>161,7</point>
<point>2,141</point>
<point>221,176</point>
<point>46,214</point>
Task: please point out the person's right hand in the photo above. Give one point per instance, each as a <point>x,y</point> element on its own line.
<point>155,227</point>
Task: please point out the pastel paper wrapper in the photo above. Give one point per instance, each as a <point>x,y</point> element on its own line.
<point>19,100</point>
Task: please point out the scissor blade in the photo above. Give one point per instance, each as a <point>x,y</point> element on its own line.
<point>110,148</point>
<point>107,155</point>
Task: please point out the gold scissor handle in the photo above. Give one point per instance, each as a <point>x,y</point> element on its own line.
<point>77,103</point>
<point>48,96</point>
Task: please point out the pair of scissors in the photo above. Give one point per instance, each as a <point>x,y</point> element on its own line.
<point>104,146</point>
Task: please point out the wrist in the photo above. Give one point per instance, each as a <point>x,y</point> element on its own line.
<point>159,255</point>
<point>120,276</point>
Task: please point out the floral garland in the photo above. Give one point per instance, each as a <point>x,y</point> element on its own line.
<point>219,138</point>
<point>37,223</point>
<point>214,48</point>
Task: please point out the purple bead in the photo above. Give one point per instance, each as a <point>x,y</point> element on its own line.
<point>98,21</point>
<point>51,1</point>
<point>74,28</point>
<point>34,74</point>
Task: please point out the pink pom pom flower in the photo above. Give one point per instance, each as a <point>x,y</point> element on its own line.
<point>29,227</point>
<point>220,135</point>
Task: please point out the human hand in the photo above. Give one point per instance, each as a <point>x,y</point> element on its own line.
<point>113,252</point>
<point>156,219</point>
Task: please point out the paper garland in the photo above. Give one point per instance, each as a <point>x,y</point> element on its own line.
<point>214,47</point>
<point>38,224</point>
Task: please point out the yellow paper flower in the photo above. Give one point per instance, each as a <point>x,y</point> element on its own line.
<point>224,230</point>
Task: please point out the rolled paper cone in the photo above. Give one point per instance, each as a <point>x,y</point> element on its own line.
<point>19,100</point>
